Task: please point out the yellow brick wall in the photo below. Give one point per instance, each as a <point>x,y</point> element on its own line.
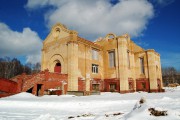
<point>75,56</point>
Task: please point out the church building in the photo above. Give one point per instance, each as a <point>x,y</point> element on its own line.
<point>110,64</point>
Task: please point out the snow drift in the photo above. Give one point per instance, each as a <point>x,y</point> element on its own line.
<point>107,106</point>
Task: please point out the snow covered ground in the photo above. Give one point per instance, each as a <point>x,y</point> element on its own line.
<point>107,106</point>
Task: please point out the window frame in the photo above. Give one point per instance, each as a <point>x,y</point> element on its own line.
<point>95,54</point>
<point>95,68</point>
<point>112,57</point>
<point>141,59</point>
<point>95,87</point>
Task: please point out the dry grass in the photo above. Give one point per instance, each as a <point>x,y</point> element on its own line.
<point>173,85</point>
<point>155,112</point>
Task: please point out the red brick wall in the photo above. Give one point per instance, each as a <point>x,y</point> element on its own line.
<point>6,94</point>
<point>19,85</point>
<point>29,82</point>
<point>107,83</point>
<point>25,82</point>
<point>139,85</point>
<point>52,84</point>
<point>8,86</point>
<point>97,81</point>
<point>57,69</point>
<point>81,85</point>
<point>47,80</point>
<point>131,85</point>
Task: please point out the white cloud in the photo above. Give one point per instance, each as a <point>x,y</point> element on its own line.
<point>33,4</point>
<point>94,18</point>
<point>26,43</point>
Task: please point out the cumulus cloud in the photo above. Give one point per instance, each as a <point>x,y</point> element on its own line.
<point>94,18</point>
<point>26,43</point>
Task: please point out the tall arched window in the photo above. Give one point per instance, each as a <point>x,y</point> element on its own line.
<point>142,65</point>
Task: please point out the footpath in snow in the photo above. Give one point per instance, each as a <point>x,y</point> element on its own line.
<point>107,106</point>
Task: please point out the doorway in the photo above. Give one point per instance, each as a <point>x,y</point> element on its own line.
<point>95,87</point>
<point>112,87</point>
<point>57,67</point>
<point>30,90</point>
<point>38,92</point>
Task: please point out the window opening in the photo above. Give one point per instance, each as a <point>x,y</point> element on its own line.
<point>94,68</point>
<point>111,59</point>
<point>142,65</point>
<point>128,59</point>
<point>95,54</point>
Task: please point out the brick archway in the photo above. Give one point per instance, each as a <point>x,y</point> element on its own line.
<point>56,64</point>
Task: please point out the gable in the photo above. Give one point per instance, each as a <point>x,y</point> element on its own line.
<point>58,31</point>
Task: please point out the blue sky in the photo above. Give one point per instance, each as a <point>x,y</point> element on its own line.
<point>152,24</point>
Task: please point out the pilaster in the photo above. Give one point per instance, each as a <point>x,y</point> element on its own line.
<point>160,71</point>
<point>87,67</point>
<point>132,67</point>
<point>73,63</point>
<point>123,66</point>
<point>152,70</point>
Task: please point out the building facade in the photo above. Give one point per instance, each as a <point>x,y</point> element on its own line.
<point>113,63</point>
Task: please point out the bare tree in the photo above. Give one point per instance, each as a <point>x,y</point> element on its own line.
<point>36,68</point>
<point>169,75</point>
<point>10,68</point>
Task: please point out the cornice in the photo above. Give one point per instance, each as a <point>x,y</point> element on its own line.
<point>88,43</point>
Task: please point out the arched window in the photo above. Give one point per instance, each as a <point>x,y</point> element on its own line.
<point>110,36</point>
<point>57,30</point>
